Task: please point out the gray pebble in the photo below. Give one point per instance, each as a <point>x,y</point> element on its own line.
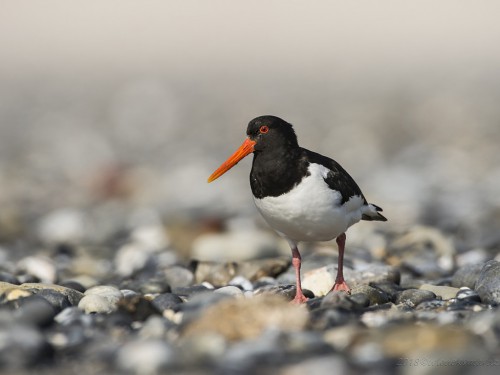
<point>44,269</point>
<point>108,292</point>
<point>74,296</point>
<point>468,295</point>
<point>23,346</point>
<point>467,276</point>
<point>445,292</point>
<point>230,291</point>
<point>488,283</point>
<point>374,295</point>
<point>95,303</point>
<point>58,300</point>
<point>35,310</point>
<point>71,284</point>
<point>341,300</point>
<point>390,289</point>
<point>198,303</point>
<point>413,297</point>
<point>73,315</point>
<point>190,290</point>
<point>285,290</point>
<point>147,286</point>
<point>242,283</point>
<point>145,357</point>
<point>177,276</point>
<point>8,278</point>
<point>167,301</point>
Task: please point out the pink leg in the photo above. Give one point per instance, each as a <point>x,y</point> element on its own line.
<point>296,260</point>
<point>340,283</point>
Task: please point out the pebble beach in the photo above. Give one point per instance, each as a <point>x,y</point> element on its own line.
<point>117,257</point>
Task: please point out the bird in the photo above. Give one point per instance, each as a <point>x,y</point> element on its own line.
<point>302,195</point>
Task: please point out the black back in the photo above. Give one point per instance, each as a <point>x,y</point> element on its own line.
<point>279,163</point>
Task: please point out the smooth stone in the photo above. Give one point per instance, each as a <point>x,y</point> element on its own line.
<point>95,303</point>
<point>62,226</point>
<point>74,296</point>
<point>400,341</point>
<point>26,278</point>
<point>264,282</point>
<point>445,292</point>
<point>269,267</point>
<point>155,327</point>
<point>58,300</point>
<point>388,288</point>
<point>72,284</point>
<point>423,250</point>
<point>230,318</point>
<point>167,301</point>
<point>375,296</point>
<point>471,257</point>
<point>187,291</point>
<point>243,283</point>
<point>35,310</point>
<point>413,297</point>
<point>177,276</point>
<point>319,281</point>
<point>111,293</point>
<point>8,278</point>
<point>152,285</point>
<point>373,273</point>
<point>324,318</point>
<point>288,291</point>
<point>467,276</point>
<point>131,258</point>
<point>236,245</point>
<point>23,346</point>
<point>488,283</point>
<point>16,293</point>
<point>432,305</point>
<point>150,356</point>
<point>220,274</point>
<point>151,235</point>
<point>137,307</point>
<point>468,295</point>
<point>202,349</point>
<point>343,301</point>
<point>199,303</point>
<point>42,268</point>
<point>230,291</point>
<point>72,315</point>
<point>386,314</point>
<point>128,293</point>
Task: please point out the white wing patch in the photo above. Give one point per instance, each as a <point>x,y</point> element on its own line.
<point>311,211</point>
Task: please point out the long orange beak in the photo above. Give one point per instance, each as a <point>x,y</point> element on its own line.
<point>245,149</point>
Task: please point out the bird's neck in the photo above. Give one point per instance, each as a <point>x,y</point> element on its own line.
<point>275,172</point>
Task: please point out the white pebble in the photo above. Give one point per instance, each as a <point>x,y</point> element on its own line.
<point>230,290</point>
<point>144,356</point>
<point>96,304</point>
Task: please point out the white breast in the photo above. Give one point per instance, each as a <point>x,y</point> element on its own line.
<point>311,211</point>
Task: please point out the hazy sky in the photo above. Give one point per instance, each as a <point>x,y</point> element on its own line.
<point>353,37</point>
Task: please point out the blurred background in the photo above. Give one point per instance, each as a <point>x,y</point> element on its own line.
<point>114,113</point>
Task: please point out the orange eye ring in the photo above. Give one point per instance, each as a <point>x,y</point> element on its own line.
<point>264,129</point>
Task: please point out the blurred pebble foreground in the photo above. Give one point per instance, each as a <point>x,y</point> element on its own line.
<point>116,256</point>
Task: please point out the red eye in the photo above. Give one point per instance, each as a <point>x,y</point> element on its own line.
<point>264,129</point>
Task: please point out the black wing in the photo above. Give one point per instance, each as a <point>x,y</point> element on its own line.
<point>337,178</point>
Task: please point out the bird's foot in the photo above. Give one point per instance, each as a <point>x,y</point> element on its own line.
<point>299,299</point>
<point>340,285</point>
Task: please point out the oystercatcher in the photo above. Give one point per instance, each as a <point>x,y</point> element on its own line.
<point>302,195</point>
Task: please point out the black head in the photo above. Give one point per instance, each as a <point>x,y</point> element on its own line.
<point>271,132</point>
